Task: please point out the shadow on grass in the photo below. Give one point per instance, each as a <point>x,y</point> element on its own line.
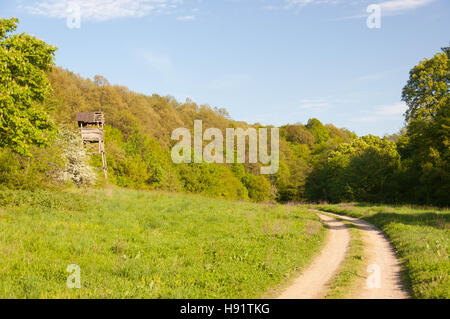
<point>432,219</point>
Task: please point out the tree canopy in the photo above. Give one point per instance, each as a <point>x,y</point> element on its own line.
<point>24,61</point>
<point>427,95</point>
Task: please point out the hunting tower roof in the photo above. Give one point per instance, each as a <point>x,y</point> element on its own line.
<point>90,118</point>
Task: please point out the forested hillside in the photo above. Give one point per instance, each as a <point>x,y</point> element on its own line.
<point>317,162</point>
<point>138,142</point>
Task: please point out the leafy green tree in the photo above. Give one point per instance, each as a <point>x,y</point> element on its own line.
<point>427,95</point>
<point>23,89</point>
<point>426,145</point>
<point>341,135</point>
<point>297,134</point>
<point>318,130</point>
<point>360,171</point>
<point>293,170</point>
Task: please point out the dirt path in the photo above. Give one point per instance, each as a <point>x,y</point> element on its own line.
<point>379,253</point>
<point>384,269</point>
<point>312,283</point>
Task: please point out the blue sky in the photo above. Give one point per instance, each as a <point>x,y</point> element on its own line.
<point>268,61</point>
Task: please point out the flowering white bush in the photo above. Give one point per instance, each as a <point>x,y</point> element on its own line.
<point>77,168</point>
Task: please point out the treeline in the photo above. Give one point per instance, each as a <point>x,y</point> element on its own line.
<point>317,162</point>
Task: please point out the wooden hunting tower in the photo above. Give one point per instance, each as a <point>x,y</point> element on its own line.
<point>91,128</point>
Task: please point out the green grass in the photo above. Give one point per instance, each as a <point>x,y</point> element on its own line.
<point>420,237</point>
<point>135,244</point>
<point>351,270</point>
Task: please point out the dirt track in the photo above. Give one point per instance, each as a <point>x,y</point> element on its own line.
<point>312,283</point>
<point>379,252</point>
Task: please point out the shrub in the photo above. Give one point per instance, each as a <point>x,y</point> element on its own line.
<point>77,168</point>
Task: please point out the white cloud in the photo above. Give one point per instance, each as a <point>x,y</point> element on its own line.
<point>288,4</point>
<point>377,76</point>
<point>270,7</point>
<point>101,10</point>
<point>387,6</point>
<point>400,6</point>
<point>385,112</point>
<point>390,110</point>
<point>186,18</point>
<point>390,8</point>
<point>314,104</point>
<point>320,105</point>
<point>292,3</point>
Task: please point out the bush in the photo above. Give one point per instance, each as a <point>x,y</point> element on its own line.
<point>259,188</point>
<point>41,170</point>
<point>77,168</point>
<point>212,180</point>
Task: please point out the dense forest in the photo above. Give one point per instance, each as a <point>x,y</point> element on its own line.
<point>318,162</point>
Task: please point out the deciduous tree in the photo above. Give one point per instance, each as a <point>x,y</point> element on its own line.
<point>23,89</point>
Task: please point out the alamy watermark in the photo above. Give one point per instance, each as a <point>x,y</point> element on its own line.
<point>74,279</point>
<point>213,151</point>
<point>374,19</point>
<point>73,11</point>
<point>374,279</point>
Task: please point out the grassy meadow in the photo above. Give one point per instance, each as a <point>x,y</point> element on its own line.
<point>420,237</point>
<point>136,244</point>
